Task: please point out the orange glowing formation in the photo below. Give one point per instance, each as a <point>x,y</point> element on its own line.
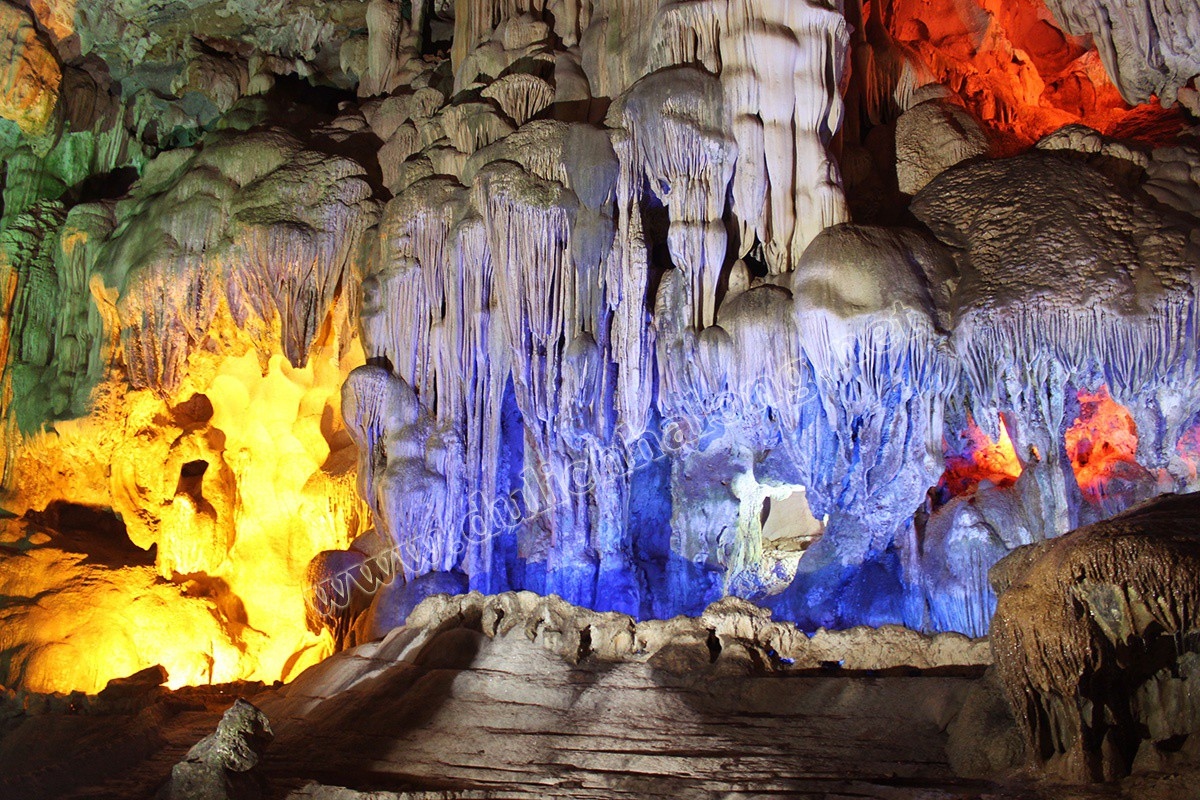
<point>1014,68</point>
<point>1102,442</point>
<point>978,459</point>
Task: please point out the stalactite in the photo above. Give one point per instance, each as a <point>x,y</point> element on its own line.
<point>520,96</point>
<point>674,116</point>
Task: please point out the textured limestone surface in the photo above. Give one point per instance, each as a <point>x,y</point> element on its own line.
<point>688,718</point>
<point>1096,637</point>
<point>221,766</point>
<point>518,696</point>
<point>29,85</point>
<point>337,306</point>
<point>930,138</point>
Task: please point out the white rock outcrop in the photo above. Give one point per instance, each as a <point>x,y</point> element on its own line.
<point>931,137</point>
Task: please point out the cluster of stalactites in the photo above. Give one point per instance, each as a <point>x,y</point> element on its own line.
<point>781,68</point>
<point>515,273</point>
<point>254,226</point>
<point>532,269</point>
<point>778,65</point>
<point>502,283</point>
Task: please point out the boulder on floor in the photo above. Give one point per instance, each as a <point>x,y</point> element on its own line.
<point>1095,640</point>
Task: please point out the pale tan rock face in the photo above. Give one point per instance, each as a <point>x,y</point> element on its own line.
<point>31,75</point>
<point>539,698</point>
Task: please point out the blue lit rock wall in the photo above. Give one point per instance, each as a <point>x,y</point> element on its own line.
<point>624,353</point>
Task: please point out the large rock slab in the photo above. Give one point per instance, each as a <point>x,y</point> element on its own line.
<point>522,696</point>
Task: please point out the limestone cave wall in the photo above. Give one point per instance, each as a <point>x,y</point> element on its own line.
<point>825,306</point>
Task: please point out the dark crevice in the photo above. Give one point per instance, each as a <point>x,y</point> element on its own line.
<point>714,646</point>
<point>97,532</point>
<point>585,644</point>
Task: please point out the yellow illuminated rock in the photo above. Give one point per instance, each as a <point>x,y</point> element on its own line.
<point>85,624</point>
<point>239,479</point>
<point>30,75</point>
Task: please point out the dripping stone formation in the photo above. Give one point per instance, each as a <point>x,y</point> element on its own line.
<point>512,398</point>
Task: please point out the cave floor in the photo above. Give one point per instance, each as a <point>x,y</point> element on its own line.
<point>471,717</point>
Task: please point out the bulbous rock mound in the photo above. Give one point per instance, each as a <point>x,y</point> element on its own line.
<point>1097,640</point>
<point>1042,228</point>
<point>1068,278</point>
<point>931,137</point>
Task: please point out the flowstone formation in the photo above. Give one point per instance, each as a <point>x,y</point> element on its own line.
<point>1096,639</point>
<point>823,306</point>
